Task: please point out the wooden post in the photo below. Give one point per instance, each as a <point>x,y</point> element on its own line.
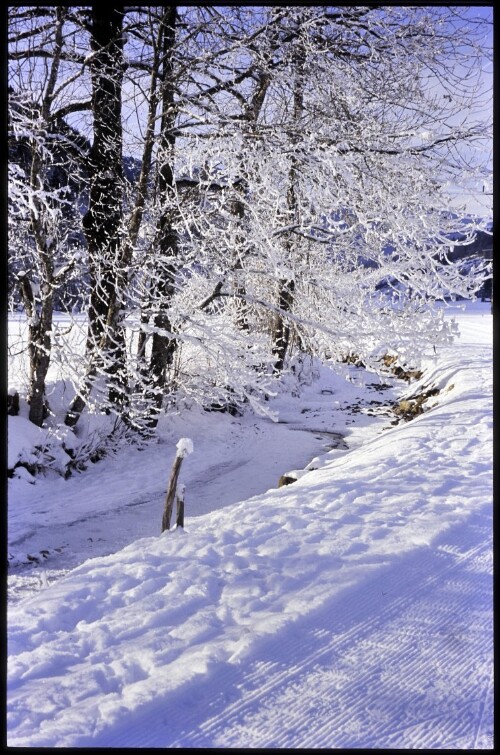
<point>180,506</point>
<point>184,447</point>
<point>169,500</point>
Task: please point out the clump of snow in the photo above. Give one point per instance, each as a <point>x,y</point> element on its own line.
<point>23,438</point>
<point>184,447</point>
<point>39,448</point>
<point>22,473</point>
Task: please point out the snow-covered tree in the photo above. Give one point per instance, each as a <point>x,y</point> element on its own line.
<point>262,181</point>
<point>43,222</point>
<point>369,114</point>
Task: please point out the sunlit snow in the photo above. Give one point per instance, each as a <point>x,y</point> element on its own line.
<point>352,608</point>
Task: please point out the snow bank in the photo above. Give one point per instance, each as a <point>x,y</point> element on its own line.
<point>23,436</point>
<point>35,447</point>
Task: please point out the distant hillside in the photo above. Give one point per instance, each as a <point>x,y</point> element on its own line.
<point>482,246</point>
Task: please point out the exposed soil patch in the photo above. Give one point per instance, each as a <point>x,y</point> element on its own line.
<point>378,386</point>
<point>411,407</point>
<point>403,373</point>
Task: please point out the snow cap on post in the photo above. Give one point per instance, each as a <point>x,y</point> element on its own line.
<point>184,447</point>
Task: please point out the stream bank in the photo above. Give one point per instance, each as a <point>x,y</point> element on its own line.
<point>55,525</point>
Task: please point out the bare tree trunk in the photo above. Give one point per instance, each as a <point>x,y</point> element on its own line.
<point>40,361</point>
<point>282,325</point>
<point>286,286</point>
<point>251,117</point>
<point>102,221</point>
<point>163,344</point>
<point>40,308</point>
<point>39,346</point>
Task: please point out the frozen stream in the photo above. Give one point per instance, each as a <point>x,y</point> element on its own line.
<point>234,459</point>
<point>106,530</point>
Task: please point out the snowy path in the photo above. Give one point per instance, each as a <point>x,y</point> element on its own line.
<point>339,682</point>
<point>402,661</point>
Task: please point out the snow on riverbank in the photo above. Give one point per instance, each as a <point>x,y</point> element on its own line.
<point>62,522</point>
<point>350,609</point>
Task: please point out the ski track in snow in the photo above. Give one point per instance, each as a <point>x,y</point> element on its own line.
<point>435,609</point>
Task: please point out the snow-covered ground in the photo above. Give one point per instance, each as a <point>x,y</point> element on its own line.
<point>352,608</point>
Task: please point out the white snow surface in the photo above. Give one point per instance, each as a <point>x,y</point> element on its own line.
<point>184,447</point>
<point>351,609</point>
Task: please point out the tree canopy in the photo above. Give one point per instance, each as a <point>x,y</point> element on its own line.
<point>224,190</point>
